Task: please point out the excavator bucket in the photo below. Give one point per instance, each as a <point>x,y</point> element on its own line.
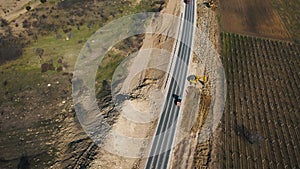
<point>192,79</point>
<point>205,79</point>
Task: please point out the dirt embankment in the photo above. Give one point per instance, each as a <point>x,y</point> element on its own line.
<point>146,98</point>
<point>191,152</point>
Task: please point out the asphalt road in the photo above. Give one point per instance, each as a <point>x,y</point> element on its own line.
<point>161,148</point>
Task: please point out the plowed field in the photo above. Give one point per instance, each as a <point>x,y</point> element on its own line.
<point>254,17</point>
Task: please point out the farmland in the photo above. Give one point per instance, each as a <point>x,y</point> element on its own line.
<point>256,18</point>
<point>260,125</point>
<point>290,13</point>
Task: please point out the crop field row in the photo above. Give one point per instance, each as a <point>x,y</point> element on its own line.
<point>260,126</point>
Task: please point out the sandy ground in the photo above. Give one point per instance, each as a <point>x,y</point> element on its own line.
<point>128,143</point>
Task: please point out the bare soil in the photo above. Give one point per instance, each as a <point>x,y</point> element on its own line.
<point>191,152</point>
<point>255,17</point>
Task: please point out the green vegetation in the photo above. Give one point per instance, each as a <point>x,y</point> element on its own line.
<point>111,61</point>
<point>61,47</point>
<point>50,32</point>
<point>150,6</point>
<point>105,73</point>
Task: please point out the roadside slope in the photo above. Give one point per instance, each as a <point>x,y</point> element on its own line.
<point>140,87</point>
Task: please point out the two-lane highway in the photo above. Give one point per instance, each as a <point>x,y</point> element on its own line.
<point>162,143</point>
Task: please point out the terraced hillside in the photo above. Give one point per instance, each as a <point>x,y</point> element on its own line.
<point>260,126</point>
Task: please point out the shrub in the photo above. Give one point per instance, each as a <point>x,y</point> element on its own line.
<point>3,22</point>
<point>47,66</point>
<point>39,52</point>
<point>28,8</point>
<point>11,47</point>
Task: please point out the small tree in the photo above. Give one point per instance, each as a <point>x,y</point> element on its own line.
<point>3,22</point>
<point>39,52</point>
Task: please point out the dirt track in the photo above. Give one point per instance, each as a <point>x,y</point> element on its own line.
<point>255,17</point>
<point>11,10</point>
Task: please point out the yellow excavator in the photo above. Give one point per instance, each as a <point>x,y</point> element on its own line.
<point>201,79</point>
